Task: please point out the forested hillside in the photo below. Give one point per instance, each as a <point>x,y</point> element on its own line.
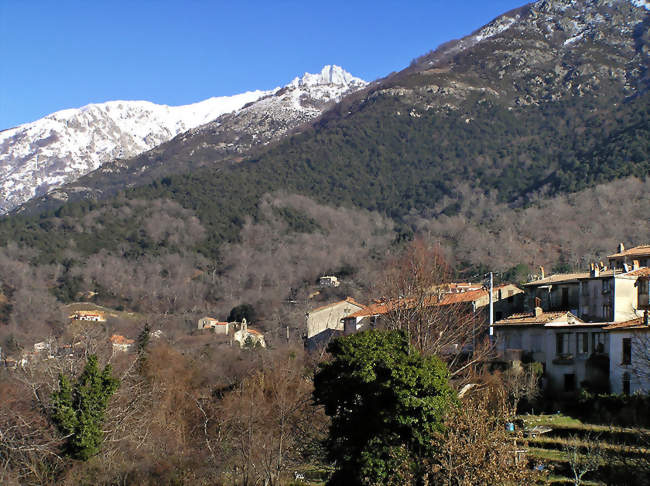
<point>478,143</point>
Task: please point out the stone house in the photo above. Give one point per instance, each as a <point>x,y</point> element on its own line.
<point>506,299</point>
<point>629,356</point>
<point>609,295</point>
<point>555,292</point>
<point>328,281</point>
<point>572,352</point>
<point>211,323</point>
<point>329,316</point>
<point>120,343</point>
<point>83,315</point>
<point>246,335</point>
<point>626,258</point>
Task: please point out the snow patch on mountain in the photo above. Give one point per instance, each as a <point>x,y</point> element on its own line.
<point>59,148</point>
<point>329,75</point>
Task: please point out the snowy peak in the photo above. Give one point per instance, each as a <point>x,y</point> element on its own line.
<point>329,75</point>
<point>40,156</point>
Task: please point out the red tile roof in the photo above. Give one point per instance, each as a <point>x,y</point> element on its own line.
<point>118,339</point>
<point>558,278</point>
<point>631,324</point>
<point>642,250</point>
<point>529,318</point>
<point>445,299</point>
<point>641,272</point>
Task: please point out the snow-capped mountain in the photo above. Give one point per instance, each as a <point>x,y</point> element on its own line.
<point>38,156</point>
<point>221,141</point>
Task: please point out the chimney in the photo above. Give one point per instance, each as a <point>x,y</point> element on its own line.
<point>541,271</point>
<point>621,248</point>
<point>538,311</point>
<point>635,264</point>
<point>594,270</point>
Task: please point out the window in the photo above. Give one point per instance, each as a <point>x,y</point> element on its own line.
<point>562,344</point>
<point>583,343</point>
<point>626,383</point>
<point>569,382</point>
<point>627,351</point>
<point>598,342</point>
<point>644,293</point>
<point>607,285</point>
<point>607,312</point>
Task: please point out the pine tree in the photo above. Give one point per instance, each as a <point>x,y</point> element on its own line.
<point>78,411</point>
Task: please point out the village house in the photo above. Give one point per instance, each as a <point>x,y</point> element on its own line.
<point>248,337</point>
<point>600,295</point>
<point>506,299</point>
<point>562,342</point>
<point>120,343</point>
<point>604,348</point>
<point>555,292</point>
<point>328,281</point>
<point>629,356</point>
<point>328,317</point>
<point>210,323</point>
<point>625,258</point>
<point>82,315</point>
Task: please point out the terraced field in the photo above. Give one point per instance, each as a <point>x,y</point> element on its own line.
<point>618,455</point>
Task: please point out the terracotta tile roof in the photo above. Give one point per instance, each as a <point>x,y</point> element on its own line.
<point>445,299</point>
<point>373,310</point>
<point>349,300</point>
<point>642,250</point>
<point>119,339</point>
<point>631,324</point>
<point>558,278</point>
<point>529,319</point>
<point>641,272</point>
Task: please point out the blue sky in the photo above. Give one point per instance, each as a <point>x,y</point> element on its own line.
<point>65,54</point>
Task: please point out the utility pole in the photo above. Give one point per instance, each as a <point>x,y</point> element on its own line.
<point>491,305</point>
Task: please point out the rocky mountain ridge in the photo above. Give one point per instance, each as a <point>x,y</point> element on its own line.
<point>534,54</point>
<point>61,148</point>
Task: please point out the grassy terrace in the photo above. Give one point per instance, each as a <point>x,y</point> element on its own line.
<point>625,452</point>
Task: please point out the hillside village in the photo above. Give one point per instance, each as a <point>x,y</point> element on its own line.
<point>588,329</point>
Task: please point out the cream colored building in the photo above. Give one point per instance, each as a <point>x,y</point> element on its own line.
<point>330,316</point>
<point>629,356</point>
<point>211,323</point>
<point>609,296</point>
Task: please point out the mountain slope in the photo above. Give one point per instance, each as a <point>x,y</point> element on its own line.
<point>510,111</point>
<point>225,139</point>
<point>38,156</point>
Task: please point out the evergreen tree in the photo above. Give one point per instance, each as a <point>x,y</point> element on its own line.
<point>78,410</point>
<point>386,402</point>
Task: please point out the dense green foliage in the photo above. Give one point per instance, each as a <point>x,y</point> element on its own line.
<point>241,312</point>
<point>78,410</point>
<point>386,402</point>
